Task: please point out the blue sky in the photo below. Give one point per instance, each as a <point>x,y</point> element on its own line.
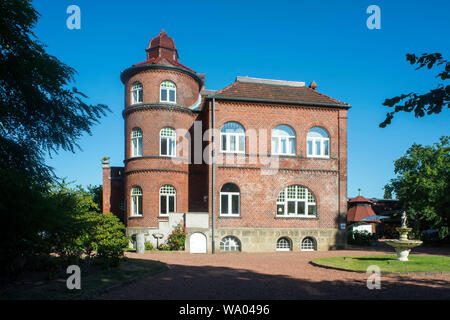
<point>325,41</point>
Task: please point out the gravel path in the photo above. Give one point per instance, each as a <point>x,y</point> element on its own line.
<point>278,275</point>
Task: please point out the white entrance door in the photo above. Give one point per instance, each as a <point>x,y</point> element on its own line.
<point>198,243</point>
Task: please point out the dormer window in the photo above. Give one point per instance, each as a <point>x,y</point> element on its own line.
<point>136,93</point>
<point>168,92</point>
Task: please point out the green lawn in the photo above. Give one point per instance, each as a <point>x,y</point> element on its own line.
<point>388,263</point>
<point>92,284</point>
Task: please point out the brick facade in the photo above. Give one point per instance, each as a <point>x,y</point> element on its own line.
<point>259,108</point>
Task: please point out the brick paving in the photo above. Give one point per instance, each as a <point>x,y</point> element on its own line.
<point>278,275</point>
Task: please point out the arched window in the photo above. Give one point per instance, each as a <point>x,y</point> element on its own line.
<point>136,143</point>
<point>283,140</point>
<point>230,243</point>
<point>168,92</point>
<point>318,143</point>
<point>232,137</point>
<point>136,93</point>
<point>167,199</point>
<point>230,200</point>
<point>167,137</point>
<point>284,244</point>
<point>136,201</point>
<point>296,201</point>
<point>308,244</point>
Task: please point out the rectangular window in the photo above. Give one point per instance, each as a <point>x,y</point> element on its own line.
<point>292,146</point>
<point>163,204</point>
<point>291,207</point>
<point>224,143</point>
<point>312,210</point>
<point>224,204</point>
<point>171,147</point>
<point>140,95</point>
<point>171,204</point>
<point>274,145</point>
<point>310,147</point>
<point>172,96</point>
<point>300,207</point>
<point>232,143</point>
<point>242,143</point>
<point>163,94</point>
<point>318,148</point>
<point>327,147</point>
<point>283,146</point>
<point>235,204</point>
<point>163,146</point>
<point>280,209</point>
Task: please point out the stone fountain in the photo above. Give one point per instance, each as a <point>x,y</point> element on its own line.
<point>403,246</point>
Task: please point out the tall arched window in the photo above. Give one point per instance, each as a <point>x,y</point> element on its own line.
<point>283,140</point>
<point>167,199</point>
<point>318,143</point>
<point>168,92</point>
<point>136,201</point>
<point>136,142</point>
<point>296,201</point>
<point>167,137</point>
<point>230,200</point>
<point>232,137</point>
<point>136,93</point>
<point>230,243</point>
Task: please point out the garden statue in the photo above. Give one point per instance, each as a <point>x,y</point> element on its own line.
<point>404,220</point>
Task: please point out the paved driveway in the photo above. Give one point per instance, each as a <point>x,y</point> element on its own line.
<point>278,275</point>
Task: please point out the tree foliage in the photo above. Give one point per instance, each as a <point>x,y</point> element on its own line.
<point>40,113</point>
<point>423,186</point>
<point>421,104</point>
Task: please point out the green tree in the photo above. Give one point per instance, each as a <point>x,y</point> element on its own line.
<point>40,113</point>
<point>422,185</point>
<point>421,104</point>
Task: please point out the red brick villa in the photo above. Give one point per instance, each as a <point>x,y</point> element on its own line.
<point>258,166</point>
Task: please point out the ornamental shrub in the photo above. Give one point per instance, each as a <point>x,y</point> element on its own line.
<point>148,245</point>
<point>177,238</point>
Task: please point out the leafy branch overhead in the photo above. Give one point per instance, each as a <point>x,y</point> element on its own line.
<point>421,104</point>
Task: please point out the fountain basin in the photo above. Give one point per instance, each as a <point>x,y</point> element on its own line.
<point>403,247</point>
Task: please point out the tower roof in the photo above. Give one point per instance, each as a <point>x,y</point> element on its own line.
<point>161,50</point>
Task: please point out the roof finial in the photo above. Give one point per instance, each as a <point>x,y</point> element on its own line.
<point>313,85</point>
<point>359,191</point>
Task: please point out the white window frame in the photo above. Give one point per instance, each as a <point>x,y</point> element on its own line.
<point>237,136</point>
<point>229,196</point>
<point>311,243</point>
<point>283,247</point>
<point>136,194</point>
<point>301,194</point>
<point>321,140</point>
<point>136,142</point>
<point>225,243</point>
<point>170,138</point>
<point>283,138</point>
<point>164,191</point>
<point>137,93</point>
<point>167,85</point>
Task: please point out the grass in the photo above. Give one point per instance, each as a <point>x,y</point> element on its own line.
<point>92,284</point>
<point>388,263</point>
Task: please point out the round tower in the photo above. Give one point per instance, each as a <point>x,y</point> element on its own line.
<point>160,94</point>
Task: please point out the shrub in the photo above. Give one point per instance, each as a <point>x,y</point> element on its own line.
<point>148,245</point>
<point>164,247</point>
<point>362,238</point>
<point>177,238</point>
